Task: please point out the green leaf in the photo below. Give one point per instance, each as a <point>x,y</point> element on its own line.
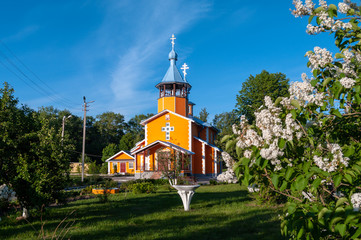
<point>337,180</point>
<point>350,151</point>
<point>289,173</point>
<point>238,151</point>
<point>332,7</point>
<point>339,55</point>
<point>310,19</point>
<point>314,82</point>
<point>231,144</point>
<point>336,112</point>
<point>300,233</point>
<point>275,180</point>
<point>358,232</point>
<point>348,178</point>
<point>283,186</point>
<point>300,183</point>
<point>295,103</point>
<point>291,208</point>
<point>322,213</point>
<point>225,138</point>
<point>326,81</point>
<point>278,100</point>
<point>357,88</point>
<point>341,228</point>
<point>281,143</point>
<point>316,183</point>
<point>294,114</point>
<point>318,10</point>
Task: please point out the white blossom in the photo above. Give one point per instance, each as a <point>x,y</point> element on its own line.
<point>305,93</point>
<point>253,188</point>
<point>331,165</point>
<point>347,82</point>
<point>343,7</point>
<point>356,201</point>
<point>319,58</point>
<point>227,176</point>
<point>301,10</point>
<point>323,4</point>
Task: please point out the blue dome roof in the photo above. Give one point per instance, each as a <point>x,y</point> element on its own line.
<point>173,55</point>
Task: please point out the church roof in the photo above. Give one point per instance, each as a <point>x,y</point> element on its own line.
<point>119,153</point>
<point>166,144</point>
<point>173,75</point>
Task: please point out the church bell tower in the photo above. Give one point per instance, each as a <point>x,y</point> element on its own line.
<point>174,89</point>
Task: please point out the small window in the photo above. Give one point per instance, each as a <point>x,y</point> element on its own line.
<point>167,117</point>
<point>163,128</point>
<point>167,137</point>
<point>172,128</point>
<point>167,133</point>
<point>167,124</point>
<point>131,165</point>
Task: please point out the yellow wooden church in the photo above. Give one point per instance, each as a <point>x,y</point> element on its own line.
<point>174,128</point>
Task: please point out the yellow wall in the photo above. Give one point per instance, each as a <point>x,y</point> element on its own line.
<point>174,104</point>
<point>179,136</point>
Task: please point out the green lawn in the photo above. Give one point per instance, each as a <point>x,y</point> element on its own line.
<point>218,212</point>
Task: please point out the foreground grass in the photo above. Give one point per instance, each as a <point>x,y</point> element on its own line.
<point>217,212</point>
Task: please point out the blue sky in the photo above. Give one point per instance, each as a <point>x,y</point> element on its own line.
<point>115,52</point>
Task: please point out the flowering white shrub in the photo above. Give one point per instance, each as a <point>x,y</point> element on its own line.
<point>227,176</point>
<point>306,147</point>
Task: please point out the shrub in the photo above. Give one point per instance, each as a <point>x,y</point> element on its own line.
<point>142,187</point>
<point>93,168</point>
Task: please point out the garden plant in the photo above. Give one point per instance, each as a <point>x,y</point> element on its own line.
<point>306,147</point>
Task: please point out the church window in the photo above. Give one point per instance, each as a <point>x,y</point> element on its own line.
<point>167,117</point>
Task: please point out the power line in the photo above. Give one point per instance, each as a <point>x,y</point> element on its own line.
<point>19,73</point>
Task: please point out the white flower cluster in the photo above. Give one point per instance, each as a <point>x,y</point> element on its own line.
<point>356,201</point>
<point>343,7</point>
<point>227,176</point>
<point>326,22</point>
<point>302,10</point>
<point>319,58</point>
<point>347,82</point>
<point>253,188</point>
<point>304,93</point>
<point>272,130</point>
<point>348,66</point>
<point>329,165</point>
<point>7,194</point>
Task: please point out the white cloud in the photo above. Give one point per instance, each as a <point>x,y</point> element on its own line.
<point>153,25</point>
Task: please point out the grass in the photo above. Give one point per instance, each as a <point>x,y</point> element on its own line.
<point>217,212</point>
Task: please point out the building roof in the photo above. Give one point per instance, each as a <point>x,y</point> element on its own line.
<point>211,145</point>
<point>166,144</point>
<point>118,153</point>
<point>173,75</point>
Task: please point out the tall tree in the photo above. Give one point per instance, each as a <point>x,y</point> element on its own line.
<point>109,151</point>
<point>135,128</point>
<point>255,88</point>
<point>224,122</point>
<point>110,126</point>
<point>33,162</point>
<point>203,115</point>
<point>127,142</point>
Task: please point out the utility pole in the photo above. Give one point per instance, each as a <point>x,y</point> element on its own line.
<point>63,128</point>
<point>84,130</point>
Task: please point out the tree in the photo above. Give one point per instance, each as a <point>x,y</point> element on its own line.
<point>109,151</point>
<point>203,115</point>
<point>135,128</point>
<point>255,88</point>
<point>224,122</point>
<point>306,147</point>
<point>111,127</point>
<point>127,142</point>
<point>33,162</point>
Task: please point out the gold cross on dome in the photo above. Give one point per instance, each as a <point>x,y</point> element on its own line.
<point>172,38</point>
<point>184,68</point>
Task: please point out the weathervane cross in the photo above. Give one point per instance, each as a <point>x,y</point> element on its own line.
<point>172,38</point>
<point>184,68</point>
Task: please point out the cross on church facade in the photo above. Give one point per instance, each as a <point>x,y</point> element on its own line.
<point>167,129</point>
